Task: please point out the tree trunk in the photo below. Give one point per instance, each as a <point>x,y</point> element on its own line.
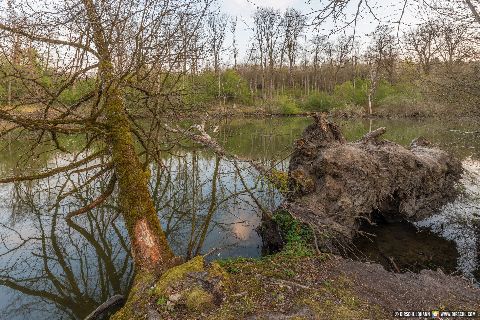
<point>149,246</point>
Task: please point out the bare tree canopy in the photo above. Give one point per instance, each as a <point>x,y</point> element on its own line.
<point>123,54</point>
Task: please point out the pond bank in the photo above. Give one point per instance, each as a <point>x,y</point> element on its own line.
<point>295,284</point>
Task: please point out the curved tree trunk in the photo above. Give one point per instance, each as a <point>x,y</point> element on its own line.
<point>149,246</point>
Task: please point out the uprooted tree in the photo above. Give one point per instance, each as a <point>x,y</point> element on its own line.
<point>335,185</point>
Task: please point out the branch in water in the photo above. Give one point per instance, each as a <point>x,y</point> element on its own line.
<point>206,140</point>
<point>373,135</point>
<point>112,303</point>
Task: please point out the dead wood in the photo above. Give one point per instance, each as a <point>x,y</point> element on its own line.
<point>334,185</point>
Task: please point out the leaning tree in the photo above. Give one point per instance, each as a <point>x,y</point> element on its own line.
<point>95,69</point>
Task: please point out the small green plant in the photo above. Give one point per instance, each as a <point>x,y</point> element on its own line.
<point>162,301</point>
<point>319,102</point>
<point>287,105</point>
<point>289,273</point>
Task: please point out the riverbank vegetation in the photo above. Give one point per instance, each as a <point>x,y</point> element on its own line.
<point>429,69</point>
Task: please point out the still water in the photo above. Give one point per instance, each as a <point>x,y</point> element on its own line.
<point>54,269</point>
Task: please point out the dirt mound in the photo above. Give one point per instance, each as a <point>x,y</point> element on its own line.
<point>335,185</point>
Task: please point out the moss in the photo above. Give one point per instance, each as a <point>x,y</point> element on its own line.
<point>279,179</point>
<point>136,303</point>
<point>300,181</point>
<point>216,270</point>
<point>176,274</point>
<point>335,300</point>
<point>297,235</point>
<point>199,300</point>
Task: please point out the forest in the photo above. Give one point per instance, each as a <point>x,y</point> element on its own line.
<point>213,159</point>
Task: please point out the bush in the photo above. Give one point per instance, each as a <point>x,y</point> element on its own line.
<point>234,87</point>
<point>207,88</point>
<point>287,105</point>
<point>319,102</point>
<point>74,93</point>
<point>346,93</point>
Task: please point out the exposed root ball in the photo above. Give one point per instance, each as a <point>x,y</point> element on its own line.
<point>334,184</point>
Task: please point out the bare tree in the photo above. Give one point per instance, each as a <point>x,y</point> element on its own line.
<point>216,28</point>
<point>293,24</point>
<point>123,50</point>
<point>423,42</point>
<point>381,56</point>
<point>350,11</point>
<point>455,42</point>
<point>235,51</point>
<point>267,23</point>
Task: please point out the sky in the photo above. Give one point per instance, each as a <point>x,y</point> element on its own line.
<point>244,9</point>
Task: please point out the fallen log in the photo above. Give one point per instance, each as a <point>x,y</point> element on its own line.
<point>335,185</point>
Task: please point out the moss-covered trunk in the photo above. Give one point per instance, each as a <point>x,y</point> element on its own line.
<point>149,246</point>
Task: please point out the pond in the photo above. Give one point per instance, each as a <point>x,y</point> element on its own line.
<point>54,269</point>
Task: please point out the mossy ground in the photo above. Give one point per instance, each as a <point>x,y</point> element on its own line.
<point>296,283</point>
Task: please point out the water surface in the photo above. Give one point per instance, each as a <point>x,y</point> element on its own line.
<point>51,269</point>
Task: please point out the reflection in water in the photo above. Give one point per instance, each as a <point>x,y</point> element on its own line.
<point>207,204</point>
<point>59,269</point>
<point>68,267</point>
<point>399,246</point>
<point>52,269</point>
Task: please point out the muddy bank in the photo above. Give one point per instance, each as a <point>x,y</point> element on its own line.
<point>335,185</point>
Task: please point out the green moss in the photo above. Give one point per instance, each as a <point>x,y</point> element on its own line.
<point>199,300</point>
<point>297,235</point>
<point>136,302</point>
<point>335,300</point>
<point>279,179</point>
<point>177,273</point>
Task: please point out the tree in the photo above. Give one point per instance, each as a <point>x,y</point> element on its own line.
<point>454,42</point>
<point>233,30</point>
<point>293,26</point>
<point>267,22</point>
<point>216,27</point>
<point>349,11</point>
<point>127,48</point>
<point>381,56</point>
<point>423,42</point>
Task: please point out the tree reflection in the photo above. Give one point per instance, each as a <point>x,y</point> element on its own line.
<point>208,203</point>
<point>67,267</point>
<point>53,263</point>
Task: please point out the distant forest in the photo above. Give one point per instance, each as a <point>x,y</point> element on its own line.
<point>289,68</point>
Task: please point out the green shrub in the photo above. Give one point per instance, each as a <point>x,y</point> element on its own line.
<point>346,93</point>
<point>319,102</point>
<point>235,88</point>
<point>74,93</point>
<point>287,105</point>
